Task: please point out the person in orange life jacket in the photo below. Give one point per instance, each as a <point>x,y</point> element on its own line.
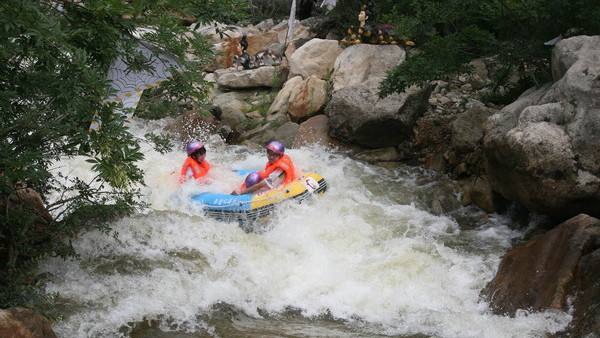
<point>278,171</point>
<point>195,163</point>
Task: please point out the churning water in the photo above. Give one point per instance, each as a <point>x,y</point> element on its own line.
<point>367,259</point>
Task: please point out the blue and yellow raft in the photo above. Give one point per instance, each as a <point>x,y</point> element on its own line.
<point>253,206</point>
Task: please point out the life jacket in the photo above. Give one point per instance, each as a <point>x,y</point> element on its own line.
<point>285,164</point>
<point>199,170</point>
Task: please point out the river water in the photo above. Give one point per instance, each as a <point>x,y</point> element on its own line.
<point>369,258</point>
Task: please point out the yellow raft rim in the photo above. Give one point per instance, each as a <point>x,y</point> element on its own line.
<point>251,207</point>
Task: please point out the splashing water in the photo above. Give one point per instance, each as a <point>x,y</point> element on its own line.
<point>352,263</point>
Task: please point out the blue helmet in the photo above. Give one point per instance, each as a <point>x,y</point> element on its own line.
<point>276,147</point>
<point>193,147</point>
<point>252,179</point>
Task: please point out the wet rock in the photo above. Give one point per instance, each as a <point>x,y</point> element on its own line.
<point>542,150</point>
<point>389,154</point>
<point>248,78</point>
<point>586,317</point>
<point>308,99</point>
<point>543,273</point>
<point>315,130</point>
<point>24,323</point>
<point>316,57</point>
<point>477,191</point>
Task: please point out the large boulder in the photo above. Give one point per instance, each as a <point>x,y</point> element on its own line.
<point>248,78</point>
<point>24,323</point>
<point>282,100</point>
<point>365,65</point>
<point>550,269</point>
<point>315,130</point>
<point>542,150</point>
<point>356,112</point>
<point>316,57</point>
<point>358,115</point>
<point>308,99</point>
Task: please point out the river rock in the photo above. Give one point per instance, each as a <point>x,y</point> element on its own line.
<point>315,130</point>
<point>389,154</point>
<point>307,99</point>
<point>365,65</point>
<point>24,323</point>
<point>358,115</point>
<point>542,150</point>
<point>247,78</point>
<point>477,191</point>
<point>316,57</point>
<point>543,273</point>
<point>586,317</point>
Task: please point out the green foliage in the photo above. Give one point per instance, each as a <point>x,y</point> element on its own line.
<point>54,56</point>
<point>449,33</point>
<point>162,143</point>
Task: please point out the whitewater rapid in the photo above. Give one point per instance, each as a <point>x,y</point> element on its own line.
<point>365,259</point>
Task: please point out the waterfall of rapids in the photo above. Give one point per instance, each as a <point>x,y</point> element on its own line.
<point>369,258</point>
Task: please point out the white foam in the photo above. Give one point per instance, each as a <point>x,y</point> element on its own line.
<point>349,252</point>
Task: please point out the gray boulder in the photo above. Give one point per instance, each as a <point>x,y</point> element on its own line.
<point>356,112</point>
<point>358,115</point>
<point>250,78</point>
<point>365,65</point>
<point>316,57</point>
<point>543,149</point>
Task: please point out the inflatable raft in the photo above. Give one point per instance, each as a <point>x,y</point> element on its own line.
<point>253,206</point>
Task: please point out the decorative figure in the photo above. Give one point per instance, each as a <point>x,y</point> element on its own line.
<point>362,16</point>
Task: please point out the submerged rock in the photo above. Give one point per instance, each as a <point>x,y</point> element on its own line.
<point>544,272</point>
